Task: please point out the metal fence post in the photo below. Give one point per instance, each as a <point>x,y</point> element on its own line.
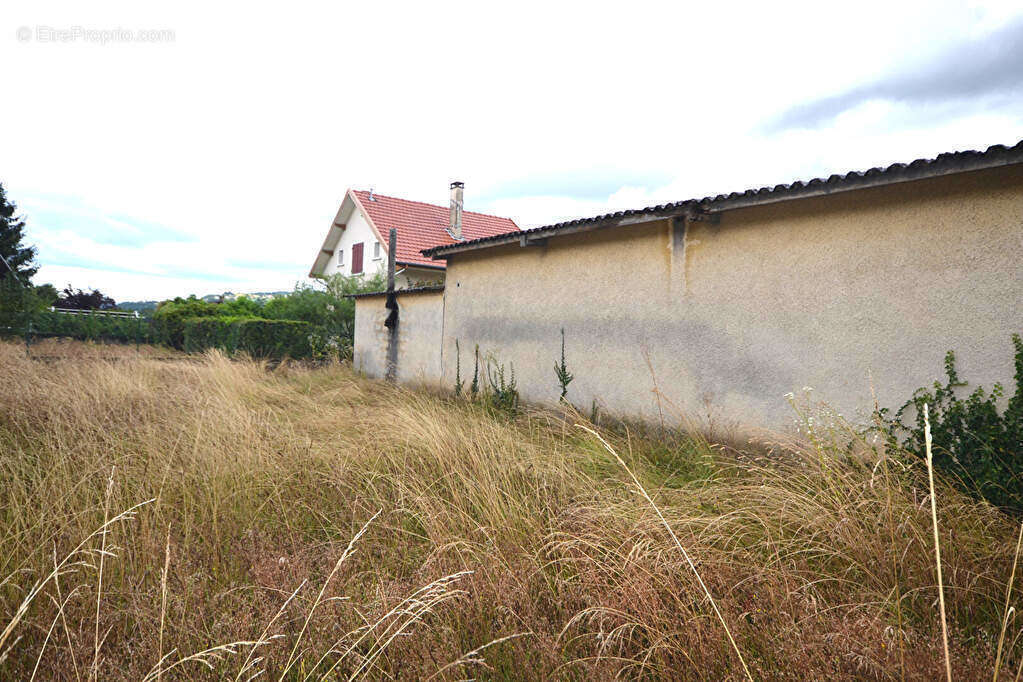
<point>138,328</point>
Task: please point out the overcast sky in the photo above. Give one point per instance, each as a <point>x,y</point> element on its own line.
<point>213,155</point>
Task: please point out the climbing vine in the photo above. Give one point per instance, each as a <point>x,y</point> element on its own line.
<point>974,442</point>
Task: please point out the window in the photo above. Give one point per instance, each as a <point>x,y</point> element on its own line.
<point>357,258</point>
<point>340,258</point>
<point>376,250</point>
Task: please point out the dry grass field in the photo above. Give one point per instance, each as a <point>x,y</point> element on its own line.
<point>215,519</point>
<point>56,349</point>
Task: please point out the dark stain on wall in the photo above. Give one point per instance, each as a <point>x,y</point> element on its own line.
<point>711,356</point>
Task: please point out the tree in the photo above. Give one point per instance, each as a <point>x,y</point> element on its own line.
<point>19,258</point>
<point>19,299</point>
<point>80,300</point>
<point>46,294</point>
<point>19,303</point>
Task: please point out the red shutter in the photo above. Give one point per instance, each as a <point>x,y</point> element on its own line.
<point>356,258</point>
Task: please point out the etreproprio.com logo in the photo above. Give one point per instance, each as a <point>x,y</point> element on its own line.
<point>94,36</point>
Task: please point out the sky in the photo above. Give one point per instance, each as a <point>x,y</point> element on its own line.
<point>158,151</point>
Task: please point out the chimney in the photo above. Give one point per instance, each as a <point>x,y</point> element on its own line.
<point>455,228</point>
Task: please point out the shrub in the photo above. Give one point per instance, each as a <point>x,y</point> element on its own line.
<point>504,392</point>
<point>305,303</point>
<point>326,314</point>
<point>274,338</point>
<point>91,327</point>
<point>25,311</point>
<point>257,337</point>
<point>331,320</point>
<point>243,306</point>
<point>978,445</point>
<point>327,309</point>
<point>169,319</point>
<point>200,333</point>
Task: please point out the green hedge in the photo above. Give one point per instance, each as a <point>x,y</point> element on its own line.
<point>259,338</point>
<point>170,317</point>
<point>91,327</point>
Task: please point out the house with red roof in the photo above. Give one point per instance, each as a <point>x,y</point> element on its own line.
<point>357,241</point>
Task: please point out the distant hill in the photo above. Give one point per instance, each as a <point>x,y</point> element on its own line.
<point>256,296</point>
<point>141,306</point>
<point>149,306</point>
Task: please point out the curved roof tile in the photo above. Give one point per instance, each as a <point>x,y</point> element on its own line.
<point>943,164</point>
<point>422,226</point>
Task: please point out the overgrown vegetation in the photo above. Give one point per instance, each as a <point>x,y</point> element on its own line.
<point>91,327</point>
<point>311,322</point>
<point>172,319</point>
<point>258,337</point>
<point>459,382</point>
<point>561,370</point>
<point>474,387</point>
<point>975,443</point>
<point>300,519</point>
<point>328,310</point>
<point>324,314</point>
<point>504,391</point>
<point>20,303</point>
<point>500,391</point>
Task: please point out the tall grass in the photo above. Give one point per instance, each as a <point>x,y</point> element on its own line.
<point>504,547</point>
<point>937,548</point>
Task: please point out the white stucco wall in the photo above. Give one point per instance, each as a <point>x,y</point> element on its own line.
<point>420,327</point>
<point>835,293</point>
<point>357,230</point>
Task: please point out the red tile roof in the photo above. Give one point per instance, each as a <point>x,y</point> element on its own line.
<point>422,226</point>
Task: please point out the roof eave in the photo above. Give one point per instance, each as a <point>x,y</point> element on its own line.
<point>529,237</point>
<point>943,165</point>
<point>425,266</point>
<point>855,181</point>
<point>329,242</point>
<point>399,292</point>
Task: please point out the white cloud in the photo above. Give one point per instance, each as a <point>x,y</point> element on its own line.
<point>147,287</point>
<point>245,130</point>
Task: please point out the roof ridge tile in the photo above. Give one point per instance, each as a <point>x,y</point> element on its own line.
<point>426,203</point>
